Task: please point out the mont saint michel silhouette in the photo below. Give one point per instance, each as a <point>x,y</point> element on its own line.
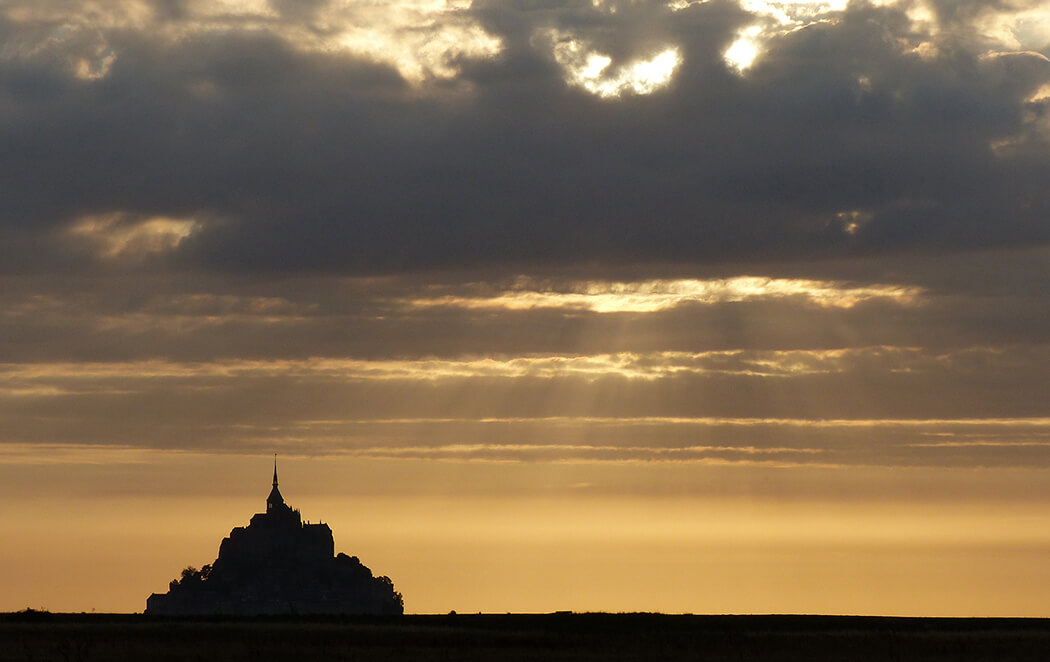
<point>278,565</point>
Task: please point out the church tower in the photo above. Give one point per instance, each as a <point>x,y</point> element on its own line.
<point>275,502</point>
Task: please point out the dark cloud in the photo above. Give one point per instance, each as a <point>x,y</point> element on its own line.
<point>986,300</point>
<point>300,160</point>
<point>299,10</point>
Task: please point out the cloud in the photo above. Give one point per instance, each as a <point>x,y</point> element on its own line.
<point>224,219</point>
<point>938,306</point>
<point>112,237</point>
<point>331,138</point>
<point>870,406</point>
<point>655,295</point>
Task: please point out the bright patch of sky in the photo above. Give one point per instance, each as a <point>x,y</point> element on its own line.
<point>593,71</point>
<point>1017,30</point>
<point>425,39</point>
<point>420,38</point>
<point>655,295</point>
<point>774,18</point>
<point>1022,30</point>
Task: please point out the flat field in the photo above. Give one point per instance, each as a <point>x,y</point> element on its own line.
<point>42,637</point>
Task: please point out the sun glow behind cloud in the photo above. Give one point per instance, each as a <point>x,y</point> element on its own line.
<point>655,295</point>
<point>1024,28</point>
<point>593,71</point>
<point>1006,29</point>
<point>632,365</point>
<point>742,52</point>
<point>775,18</point>
<point>118,236</point>
<point>420,38</point>
<point>426,39</point>
<point>517,409</point>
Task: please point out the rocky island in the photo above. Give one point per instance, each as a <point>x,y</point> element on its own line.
<point>278,565</point>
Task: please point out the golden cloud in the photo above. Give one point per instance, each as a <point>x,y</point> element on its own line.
<point>112,236</point>
<point>660,294</point>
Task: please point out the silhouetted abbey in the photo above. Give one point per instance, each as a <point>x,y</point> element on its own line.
<point>278,565</point>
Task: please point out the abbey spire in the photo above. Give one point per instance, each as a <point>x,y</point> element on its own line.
<point>275,501</point>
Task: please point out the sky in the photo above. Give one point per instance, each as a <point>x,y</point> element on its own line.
<point>723,306</point>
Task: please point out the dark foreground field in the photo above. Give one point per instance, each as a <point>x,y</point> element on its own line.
<point>39,637</point>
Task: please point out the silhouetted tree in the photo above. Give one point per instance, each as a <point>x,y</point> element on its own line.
<point>192,576</point>
<point>389,583</point>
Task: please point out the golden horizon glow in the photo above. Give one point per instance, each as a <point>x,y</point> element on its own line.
<point>712,420</point>
<point>706,555</point>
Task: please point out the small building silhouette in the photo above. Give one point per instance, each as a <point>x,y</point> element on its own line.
<point>278,565</point>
